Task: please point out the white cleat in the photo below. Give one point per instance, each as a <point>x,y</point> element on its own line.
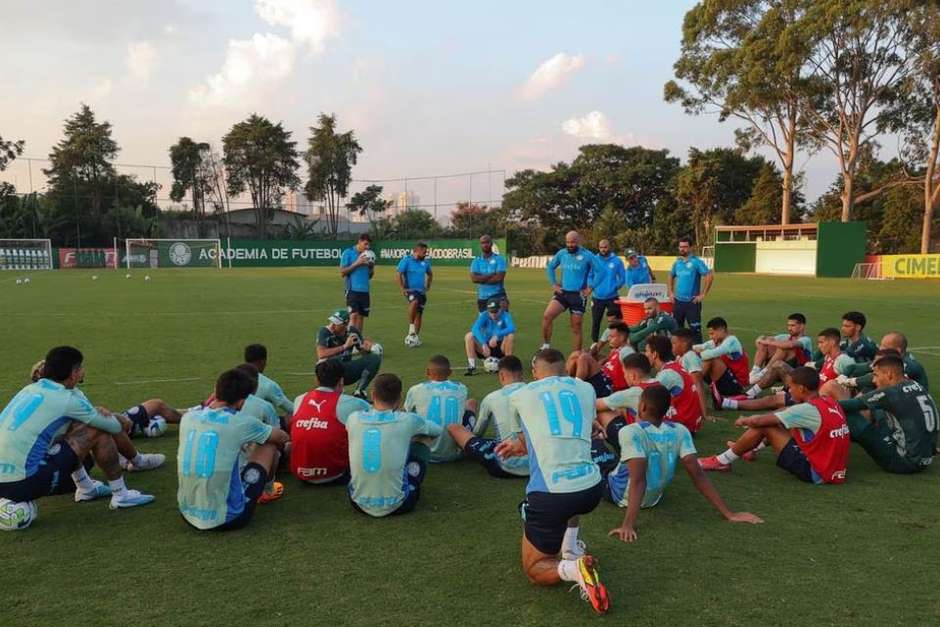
<point>130,498</point>
<point>148,461</point>
<point>100,491</point>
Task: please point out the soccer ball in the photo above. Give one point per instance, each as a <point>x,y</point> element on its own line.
<point>94,277</point>
<point>147,278</point>
<point>26,280</point>
<point>377,349</point>
<point>156,427</point>
<point>369,256</point>
<point>411,340</point>
<point>491,364</point>
<point>19,281</point>
<point>15,516</point>
<point>127,276</point>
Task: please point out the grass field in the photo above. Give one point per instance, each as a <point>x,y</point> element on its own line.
<point>866,552</point>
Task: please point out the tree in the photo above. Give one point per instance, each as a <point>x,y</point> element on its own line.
<point>417,224</point>
<point>260,157</point>
<point>189,173</point>
<point>858,60</point>
<point>761,207</point>
<point>369,201</point>
<point>330,157</point>
<point>9,150</point>
<point>739,65</point>
<point>472,220</point>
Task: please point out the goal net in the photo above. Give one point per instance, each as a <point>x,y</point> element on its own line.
<point>869,272</point>
<point>25,254</point>
<point>173,253</point>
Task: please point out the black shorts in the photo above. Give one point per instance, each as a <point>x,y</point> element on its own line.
<point>546,515</point>
<point>601,455</point>
<point>254,477</point>
<point>420,297</point>
<point>501,297</point>
<point>601,384</point>
<point>793,460</point>
<point>572,301</point>
<point>728,385</point>
<point>141,419</point>
<point>494,352</point>
<point>358,302</point>
<point>482,450</point>
<point>613,431</point>
<point>611,308</point>
<point>52,477</point>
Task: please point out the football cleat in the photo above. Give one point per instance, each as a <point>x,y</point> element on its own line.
<point>712,464</point>
<point>592,590</point>
<point>130,498</point>
<point>148,461</point>
<point>100,491</point>
<point>277,491</point>
<point>471,370</point>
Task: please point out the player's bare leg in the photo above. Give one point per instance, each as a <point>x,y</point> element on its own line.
<point>470,345</point>
<point>587,366</point>
<point>832,389</point>
<point>552,311</point>
<point>159,407</point>
<point>461,435</point>
<point>508,344</point>
<point>774,401</point>
<point>760,353</point>
<point>576,335</point>
<point>571,364</point>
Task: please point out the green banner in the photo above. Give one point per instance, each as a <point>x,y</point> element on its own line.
<point>284,253</point>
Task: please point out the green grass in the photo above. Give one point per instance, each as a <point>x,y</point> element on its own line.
<point>865,552</point>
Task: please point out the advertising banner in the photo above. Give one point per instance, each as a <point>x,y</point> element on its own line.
<point>87,258</point>
<point>910,266</point>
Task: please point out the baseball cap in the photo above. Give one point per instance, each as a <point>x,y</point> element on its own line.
<point>493,305</point>
<point>630,252</point>
<point>340,316</point>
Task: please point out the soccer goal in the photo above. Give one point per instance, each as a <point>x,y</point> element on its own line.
<point>173,253</point>
<point>25,254</point>
<point>869,272</point>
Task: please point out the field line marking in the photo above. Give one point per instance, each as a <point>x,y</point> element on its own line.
<point>143,381</point>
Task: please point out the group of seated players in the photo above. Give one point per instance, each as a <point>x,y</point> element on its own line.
<point>612,422</point>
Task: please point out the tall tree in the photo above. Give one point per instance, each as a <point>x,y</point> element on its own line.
<point>260,157</point>
<point>738,64</point>
<point>9,150</point>
<point>469,220</point>
<point>858,60</point>
<point>369,202</point>
<point>187,158</point>
<point>330,158</point>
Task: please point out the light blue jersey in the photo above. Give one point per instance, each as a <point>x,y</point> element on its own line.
<point>442,403</point>
<point>358,279</point>
<point>640,274</point>
<point>269,390</point>
<point>486,328</point>
<point>379,441</point>
<point>34,417</point>
<point>661,447</point>
<point>496,409</point>
<point>607,285</point>
<point>688,275</point>
<point>691,361</point>
<point>210,461</point>
<point>574,269</point>
<point>556,415</point>
<point>262,410</point>
<point>413,272</point>
<point>494,264</point>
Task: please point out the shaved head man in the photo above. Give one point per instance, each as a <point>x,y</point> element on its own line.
<point>576,265</point>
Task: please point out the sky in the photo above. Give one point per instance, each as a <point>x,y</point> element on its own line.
<point>430,88</point>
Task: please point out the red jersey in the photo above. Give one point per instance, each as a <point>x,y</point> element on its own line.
<point>740,367</point>
<point>613,370</point>
<point>800,354</point>
<point>686,407</point>
<point>828,449</point>
<point>319,443</point>
<point>828,370</point>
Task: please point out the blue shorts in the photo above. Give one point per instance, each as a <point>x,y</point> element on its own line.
<point>358,302</point>
<point>613,431</point>
<point>728,385</point>
<point>572,301</point>
<point>141,419</point>
<point>52,477</point>
<point>602,456</point>
<point>546,515</point>
<point>482,450</point>
<point>420,297</point>
<point>601,384</point>
<point>793,460</point>
<point>254,478</point>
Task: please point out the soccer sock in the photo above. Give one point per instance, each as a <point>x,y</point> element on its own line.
<point>728,457</point>
<point>82,481</point>
<point>411,329</point>
<point>759,447</point>
<point>568,570</point>
<point>545,345</point>
<point>727,403</point>
<point>117,486</point>
<point>754,391</point>
<point>472,361</point>
<point>569,543</point>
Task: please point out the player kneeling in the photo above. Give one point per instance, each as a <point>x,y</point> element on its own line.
<point>386,445</point>
<point>649,450</point>
<point>216,491</point>
<point>496,408</point>
<point>319,444</point>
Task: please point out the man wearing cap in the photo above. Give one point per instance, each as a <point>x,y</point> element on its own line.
<point>488,271</point>
<point>638,269</point>
<point>492,335</point>
<point>605,288</point>
<point>337,340</point>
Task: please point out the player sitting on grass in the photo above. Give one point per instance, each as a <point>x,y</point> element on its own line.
<point>897,423</point>
<point>811,438</point>
<point>34,465</point>
<point>687,406</point>
<point>605,376</point>
<point>218,487</point>
<point>682,341</point>
<point>319,452</point>
<point>724,362</point>
<point>414,279</point>
<point>552,419</point>
<point>268,389</point>
<point>388,452</point>
<point>649,450</point>
<point>860,376</point>
<point>854,342</point>
<point>620,408</point>
<point>655,322</point>
<point>338,339</point>
<point>834,362</point>
<point>793,347</point>
<point>495,408</point>
<point>492,335</point>
<point>258,408</point>
<point>444,403</point>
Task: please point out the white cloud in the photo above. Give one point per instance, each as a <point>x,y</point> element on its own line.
<point>140,58</point>
<point>310,22</point>
<point>593,126</point>
<point>551,74</point>
<point>250,64</point>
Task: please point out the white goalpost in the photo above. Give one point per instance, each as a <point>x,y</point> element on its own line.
<point>172,253</point>
<point>25,254</point>
<point>869,272</point>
